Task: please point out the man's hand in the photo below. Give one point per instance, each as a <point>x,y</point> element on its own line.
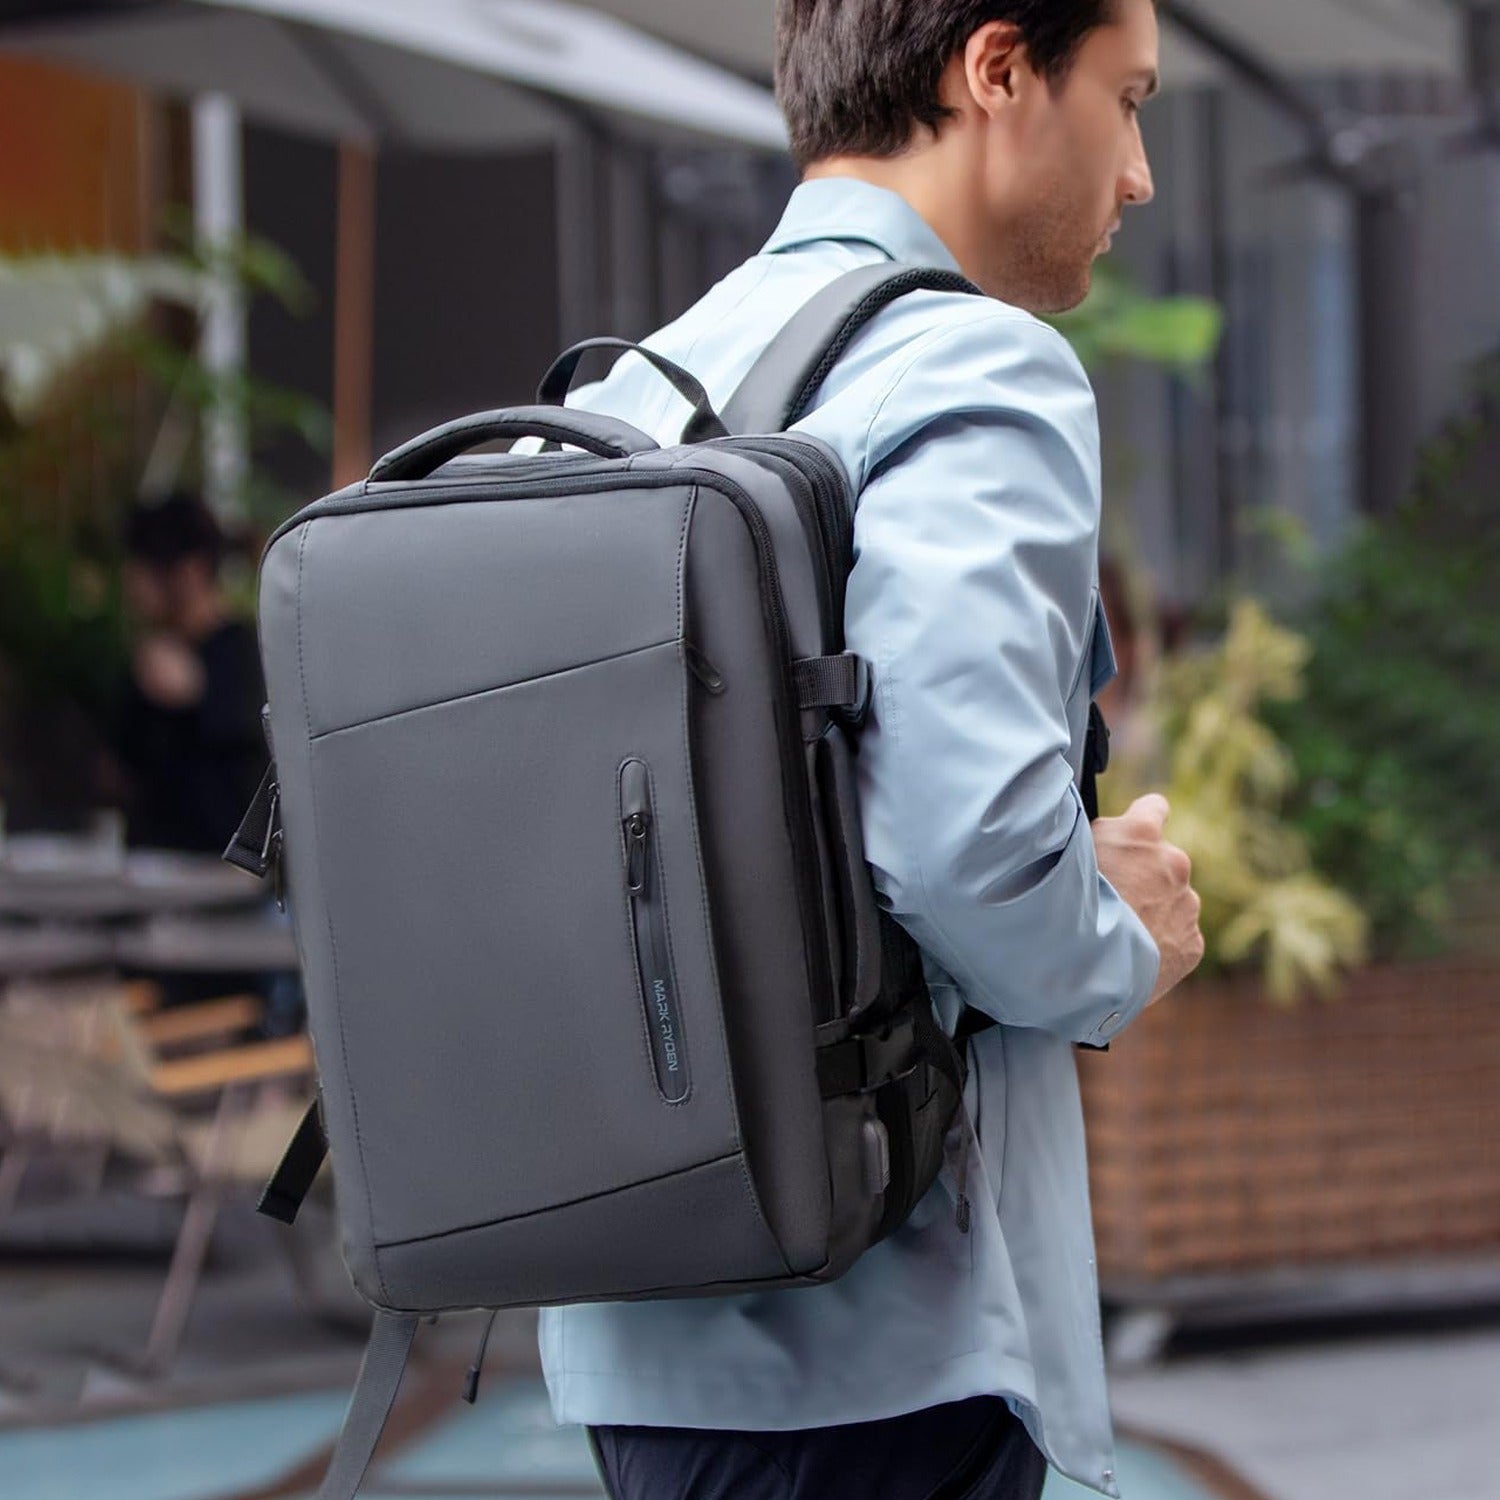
<point>168,672</point>
<point>1155,880</point>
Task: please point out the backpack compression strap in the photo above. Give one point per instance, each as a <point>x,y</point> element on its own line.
<point>374,1394</point>
<point>783,381</point>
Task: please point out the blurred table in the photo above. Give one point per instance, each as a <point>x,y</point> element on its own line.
<point>27,952</point>
<point>45,878</point>
<point>253,943</point>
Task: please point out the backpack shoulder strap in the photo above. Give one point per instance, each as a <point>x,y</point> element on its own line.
<point>374,1394</point>
<point>782,383</point>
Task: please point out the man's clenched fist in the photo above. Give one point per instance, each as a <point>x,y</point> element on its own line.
<point>1155,879</point>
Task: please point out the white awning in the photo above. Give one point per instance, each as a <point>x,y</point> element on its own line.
<point>445,74</point>
<point>1300,37</point>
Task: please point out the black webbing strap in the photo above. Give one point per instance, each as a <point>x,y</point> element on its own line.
<point>256,841</point>
<point>971,1023</point>
<point>374,1394</point>
<point>1095,761</point>
<point>299,1165</point>
<point>832,682</point>
<point>865,1061</point>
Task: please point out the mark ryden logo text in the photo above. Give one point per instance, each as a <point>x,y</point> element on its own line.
<point>664,1023</point>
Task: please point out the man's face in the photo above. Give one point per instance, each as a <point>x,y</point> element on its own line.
<point>160,595</point>
<point>147,592</point>
<point>1077,160</point>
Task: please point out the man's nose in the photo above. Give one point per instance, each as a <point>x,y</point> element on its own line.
<point>1139,188</point>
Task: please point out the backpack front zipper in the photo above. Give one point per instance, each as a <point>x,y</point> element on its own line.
<point>648,912</point>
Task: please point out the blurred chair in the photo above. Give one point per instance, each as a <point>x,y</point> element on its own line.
<point>95,1077</point>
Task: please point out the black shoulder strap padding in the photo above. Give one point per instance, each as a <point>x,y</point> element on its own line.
<point>782,383</point>
<point>374,1394</point>
<point>298,1167</point>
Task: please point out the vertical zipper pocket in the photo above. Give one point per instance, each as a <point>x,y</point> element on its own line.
<point>648,915</point>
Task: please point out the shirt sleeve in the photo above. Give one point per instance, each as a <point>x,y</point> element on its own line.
<point>976,540</point>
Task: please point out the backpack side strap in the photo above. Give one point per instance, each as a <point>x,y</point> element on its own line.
<point>282,1196</point>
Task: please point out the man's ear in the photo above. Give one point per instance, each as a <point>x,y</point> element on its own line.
<point>996,66</point>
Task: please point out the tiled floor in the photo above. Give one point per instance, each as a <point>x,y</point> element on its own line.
<point>502,1447</point>
<point>177,1455</point>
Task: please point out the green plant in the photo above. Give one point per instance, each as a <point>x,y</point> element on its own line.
<point>1227,776</point>
<point>1118,321</point>
<point>1397,740</point>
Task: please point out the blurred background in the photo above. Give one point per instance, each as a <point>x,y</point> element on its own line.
<point>246,246</point>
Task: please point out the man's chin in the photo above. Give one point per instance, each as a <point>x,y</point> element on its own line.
<point>1066,298</point>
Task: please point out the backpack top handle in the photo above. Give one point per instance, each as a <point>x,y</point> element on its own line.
<point>607,437</point>
<point>704,424</point>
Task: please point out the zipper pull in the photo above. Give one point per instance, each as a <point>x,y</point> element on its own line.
<point>270,853</point>
<point>703,669</point>
<point>637,865</point>
<point>471,1379</point>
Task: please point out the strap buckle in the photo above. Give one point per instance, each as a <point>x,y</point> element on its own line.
<point>855,713</point>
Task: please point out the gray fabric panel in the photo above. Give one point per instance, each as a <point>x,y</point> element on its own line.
<point>855,1213</point>
<point>406,607</point>
<point>825,816</point>
<point>280,580</point>
<point>606,1248</point>
<point>794,558</point>
<point>862,940</point>
<point>768,1011</point>
<point>483,927</point>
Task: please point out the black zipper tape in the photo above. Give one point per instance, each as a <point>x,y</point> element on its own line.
<point>648,914</point>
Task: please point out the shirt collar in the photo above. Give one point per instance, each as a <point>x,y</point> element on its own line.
<point>844,208</point>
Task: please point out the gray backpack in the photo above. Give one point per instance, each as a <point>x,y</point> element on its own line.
<point>563,796</point>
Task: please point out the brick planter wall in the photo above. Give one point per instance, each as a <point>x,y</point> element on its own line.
<point>1228,1135</point>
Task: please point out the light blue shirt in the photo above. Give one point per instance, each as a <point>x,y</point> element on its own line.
<point>970,431</point>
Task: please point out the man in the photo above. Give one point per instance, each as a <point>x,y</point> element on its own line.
<point>998,137</point>
<point>189,734</point>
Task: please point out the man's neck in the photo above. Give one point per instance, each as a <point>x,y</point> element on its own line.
<point>923,179</point>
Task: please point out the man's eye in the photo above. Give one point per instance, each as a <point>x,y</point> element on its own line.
<point>1132,107</point>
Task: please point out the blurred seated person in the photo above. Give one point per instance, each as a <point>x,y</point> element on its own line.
<point>189,738</point>
<point>188,741</point>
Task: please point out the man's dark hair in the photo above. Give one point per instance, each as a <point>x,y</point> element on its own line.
<point>856,77</point>
<point>164,532</point>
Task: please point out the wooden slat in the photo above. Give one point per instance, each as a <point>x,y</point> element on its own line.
<point>196,1023</point>
<point>287,1057</point>
<point>140,996</point>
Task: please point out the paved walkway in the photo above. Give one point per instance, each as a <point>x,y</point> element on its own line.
<point>1411,1416</point>
<point>253,1403</point>
<point>273,1449</point>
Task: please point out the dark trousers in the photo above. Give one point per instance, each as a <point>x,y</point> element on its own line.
<point>965,1450</point>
